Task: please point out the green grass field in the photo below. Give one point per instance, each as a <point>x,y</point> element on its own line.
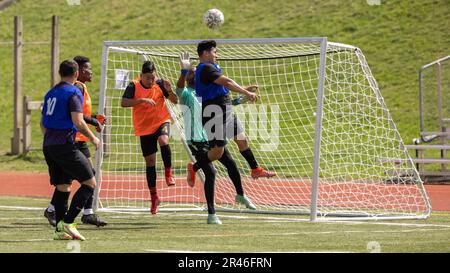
<point>397,37</point>
<point>28,231</point>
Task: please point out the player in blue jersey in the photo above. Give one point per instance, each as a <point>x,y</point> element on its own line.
<point>84,75</point>
<point>213,87</point>
<point>198,142</point>
<point>214,94</point>
<point>62,118</point>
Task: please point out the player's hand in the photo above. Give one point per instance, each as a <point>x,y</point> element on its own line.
<point>99,127</point>
<point>252,93</point>
<point>96,143</point>
<point>148,101</point>
<point>101,118</point>
<point>252,88</point>
<point>252,96</point>
<point>185,64</point>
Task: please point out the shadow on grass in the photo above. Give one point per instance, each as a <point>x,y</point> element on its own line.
<point>24,225</point>
<point>34,157</point>
<point>27,241</point>
<point>33,161</point>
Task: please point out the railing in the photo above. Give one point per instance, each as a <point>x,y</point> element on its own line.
<point>440,132</point>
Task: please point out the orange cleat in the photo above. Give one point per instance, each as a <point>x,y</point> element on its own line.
<point>191,174</point>
<point>170,181</point>
<point>155,203</point>
<point>260,172</point>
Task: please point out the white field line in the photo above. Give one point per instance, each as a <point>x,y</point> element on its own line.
<point>20,208</point>
<point>15,218</point>
<point>388,224</point>
<point>281,219</point>
<point>231,253</point>
<point>177,251</point>
<point>325,222</point>
<point>301,233</point>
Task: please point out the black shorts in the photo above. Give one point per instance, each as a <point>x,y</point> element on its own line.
<point>83,147</point>
<point>149,142</point>
<point>219,121</point>
<point>65,163</point>
<point>198,148</point>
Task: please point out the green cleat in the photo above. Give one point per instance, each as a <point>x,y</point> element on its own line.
<point>62,235</point>
<point>213,219</point>
<point>71,229</point>
<point>242,199</point>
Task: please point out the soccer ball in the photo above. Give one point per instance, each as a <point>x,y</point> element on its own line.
<point>213,18</point>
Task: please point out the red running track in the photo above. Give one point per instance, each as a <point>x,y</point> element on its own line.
<point>37,185</point>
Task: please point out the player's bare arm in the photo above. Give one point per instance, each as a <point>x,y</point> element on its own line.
<point>233,86</point>
<point>172,96</point>
<point>181,81</point>
<point>80,124</point>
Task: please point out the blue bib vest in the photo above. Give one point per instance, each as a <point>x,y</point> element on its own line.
<point>56,114</point>
<point>208,91</point>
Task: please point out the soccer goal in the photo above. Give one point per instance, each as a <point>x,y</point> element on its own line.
<point>321,124</point>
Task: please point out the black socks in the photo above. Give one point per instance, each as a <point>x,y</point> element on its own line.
<point>210,177</point>
<point>248,155</point>
<point>166,155</point>
<point>151,176</point>
<point>60,202</point>
<point>78,202</point>
<point>233,171</point>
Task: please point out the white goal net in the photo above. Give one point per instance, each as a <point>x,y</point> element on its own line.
<point>321,124</point>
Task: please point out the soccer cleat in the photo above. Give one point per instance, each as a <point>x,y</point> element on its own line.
<point>51,217</point>
<point>93,219</point>
<point>260,172</point>
<point>62,235</point>
<point>213,219</point>
<point>71,229</point>
<point>170,181</point>
<point>155,203</point>
<point>242,199</point>
<point>191,174</point>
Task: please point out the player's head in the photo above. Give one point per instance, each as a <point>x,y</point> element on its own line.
<point>148,73</point>
<point>68,70</point>
<point>84,67</point>
<point>207,51</point>
<point>190,77</point>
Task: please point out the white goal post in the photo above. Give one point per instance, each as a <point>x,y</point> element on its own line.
<point>321,124</point>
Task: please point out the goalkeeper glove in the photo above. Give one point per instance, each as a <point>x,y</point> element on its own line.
<point>185,64</point>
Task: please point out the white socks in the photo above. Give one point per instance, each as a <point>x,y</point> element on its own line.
<point>88,211</point>
<point>50,208</point>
